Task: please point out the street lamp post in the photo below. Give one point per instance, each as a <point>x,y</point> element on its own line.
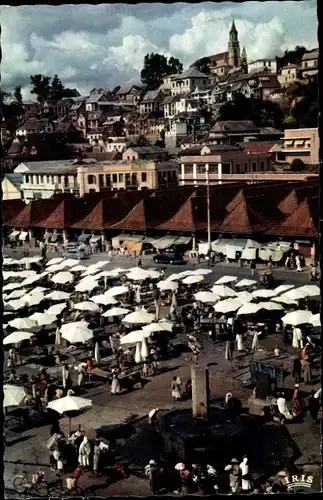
<point>208,209</point>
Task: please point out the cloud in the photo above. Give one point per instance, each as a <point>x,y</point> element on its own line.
<point>104,45</point>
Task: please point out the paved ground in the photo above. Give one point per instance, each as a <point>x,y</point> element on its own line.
<point>29,447</point>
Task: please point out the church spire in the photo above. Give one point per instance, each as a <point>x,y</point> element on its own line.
<point>233,47</point>
<point>233,28</point>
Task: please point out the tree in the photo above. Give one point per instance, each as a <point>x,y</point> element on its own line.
<point>17,94</point>
<point>11,111</point>
<point>56,89</point>
<point>156,68</point>
<point>291,57</point>
<point>244,60</point>
<point>306,108</point>
<point>290,122</point>
<point>297,165</point>
<point>41,87</point>
<point>203,65</point>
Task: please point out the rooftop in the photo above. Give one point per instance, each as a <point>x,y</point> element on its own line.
<point>191,73</point>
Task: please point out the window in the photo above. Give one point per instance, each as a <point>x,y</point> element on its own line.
<point>188,169</point>
<point>91,190</point>
<point>204,82</point>
<point>226,168</point>
<point>128,157</point>
<point>134,158</point>
<point>41,177</point>
<point>37,179</point>
<point>200,169</point>
<point>48,179</point>
<point>143,176</point>
<point>134,178</point>
<point>90,179</point>
<point>114,178</point>
<point>107,179</point>
<point>120,177</point>
<point>262,166</point>
<point>66,180</point>
<point>269,63</point>
<point>127,178</point>
<point>101,180</point>
<point>254,167</point>
<point>27,179</point>
<point>237,169</point>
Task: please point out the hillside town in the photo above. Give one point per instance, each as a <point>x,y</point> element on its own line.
<point>161,267</point>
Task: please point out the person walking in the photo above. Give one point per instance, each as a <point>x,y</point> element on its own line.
<point>239,340</point>
<point>245,475</point>
<point>297,370</point>
<point>298,263</point>
<point>176,390</point>
<point>297,341</point>
<point>96,456</point>
<point>234,474</point>
<point>313,406</point>
<point>153,471</point>
<point>84,453</point>
<point>307,372</point>
<point>297,402</point>
<point>81,376</point>
<point>229,350</point>
<point>115,385</point>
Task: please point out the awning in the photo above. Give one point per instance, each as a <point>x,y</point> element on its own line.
<point>135,237</point>
<point>84,237</point>
<point>150,240</point>
<point>299,142</point>
<point>249,254</point>
<point>165,242</point>
<point>288,143</point>
<point>183,240</point>
<point>54,237</point>
<point>14,235</point>
<point>95,238</point>
<point>23,236</point>
<point>133,246</point>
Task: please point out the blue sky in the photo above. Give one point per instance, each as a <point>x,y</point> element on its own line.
<point>104,45</point>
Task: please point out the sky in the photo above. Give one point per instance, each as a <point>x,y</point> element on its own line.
<point>103,45</point>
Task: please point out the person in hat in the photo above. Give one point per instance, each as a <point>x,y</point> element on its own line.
<point>234,474</point>
<point>297,402</point>
<point>246,476</point>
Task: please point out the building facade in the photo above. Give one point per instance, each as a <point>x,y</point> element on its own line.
<point>302,144</point>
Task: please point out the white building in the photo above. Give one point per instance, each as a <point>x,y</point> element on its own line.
<point>113,144</point>
<point>261,64</point>
<point>187,82</point>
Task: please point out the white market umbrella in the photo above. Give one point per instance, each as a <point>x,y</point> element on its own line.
<point>29,260</point>
<point>206,297</point>
<point>227,306</point>
<point>283,288</point>
<point>173,277</point>
<point>110,274</point>
<point>245,282</point>
<point>134,337</point>
<point>284,300</point>
<point>34,299</point>
<point>90,270</point>
<point>78,335</point>
<point>78,269</point>
<point>71,326</point>
<point>13,395</point>
<point>144,352</point>
<point>86,306</point>
<point>296,294</point>
<point>22,323</point>
<point>315,320</point>
<point>263,293</point>
<point>86,285</point>
<point>223,291</point>
<point>70,263</point>
<point>69,404</point>
<point>167,285</point>
<point>16,337</point>
<point>271,306</point>
<point>39,289</point>
<point>191,280</point>
<point>57,295</point>
<point>255,342</point>
<point>55,268</point>
<point>249,308</point>
<point>104,300</point>
<point>56,260</point>
<point>97,356</point>
<point>57,308</point>
<point>226,279</point>
<point>139,317</point>
<point>161,326</point>
<point>244,297</point>
<point>8,261</point>
<point>43,319</point>
<point>138,354</point>
<point>116,311</point>
<point>138,274</point>
<point>199,271</point>
<point>31,280</point>
<point>116,290</point>
<point>101,263</point>
<point>63,277</point>
<point>15,305</point>
<point>296,318</point>
<point>26,274</point>
<point>11,286</point>
<point>310,290</point>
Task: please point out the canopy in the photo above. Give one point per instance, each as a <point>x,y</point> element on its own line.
<point>226,279</point>
<point>70,326</point>
<point>316,320</point>
<point>285,300</point>
<point>296,318</point>
<point>263,293</point>
<point>16,337</point>
<point>190,280</point>
<point>167,285</point>
<point>245,282</point>
<point>116,311</point>
<point>34,299</point>
<point>206,297</point>
<point>244,297</point>
<point>104,300</point>
<point>14,235</point>
<point>57,308</point>
<point>43,319</point>
<point>69,403</point>
<point>141,274</point>
<point>270,306</point>
<point>249,253</point>
<point>310,290</point>
<point>78,334</point>
<point>139,317</point>
<point>54,268</point>
<point>70,263</point>
<point>13,395</point>
<point>162,326</point>
<point>94,238</point>
<point>223,291</point>
<point>23,236</point>
<point>14,305</point>
<point>249,308</point>
<point>12,286</point>
<point>78,269</point>
<point>228,305</point>
<point>86,285</point>
<point>200,272</point>
<point>63,277</point>
<point>134,337</point>
<point>16,294</point>
<point>57,295</point>
<point>56,260</point>
<point>86,306</point>
<point>22,323</point>
<point>283,288</point>
<point>165,242</point>
<point>116,290</point>
<point>296,294</point>
<point>83,238</point>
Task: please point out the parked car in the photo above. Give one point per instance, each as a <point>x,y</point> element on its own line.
<point>168,258</point>
<point>75,252</point>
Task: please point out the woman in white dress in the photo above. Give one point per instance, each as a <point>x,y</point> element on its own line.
<point>298,263</point>
<point>239,340</point>
<point>176,390</point>
<point>245,475</point>
<point>84,453</point>
<point>297,341</point>
<point>115,385</point>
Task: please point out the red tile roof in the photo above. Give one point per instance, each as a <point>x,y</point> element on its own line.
<point>67,213</point>
<point>303,221</point>
<point>10,209</point>
<point>35,212</point>
<point>290,202</point>
<point>257,146</point>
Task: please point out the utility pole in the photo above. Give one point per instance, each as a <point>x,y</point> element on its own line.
<point>208,209</point>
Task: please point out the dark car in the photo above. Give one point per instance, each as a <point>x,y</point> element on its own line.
<point>168,258</point>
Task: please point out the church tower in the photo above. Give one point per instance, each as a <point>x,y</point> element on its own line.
<point>233,47</point>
